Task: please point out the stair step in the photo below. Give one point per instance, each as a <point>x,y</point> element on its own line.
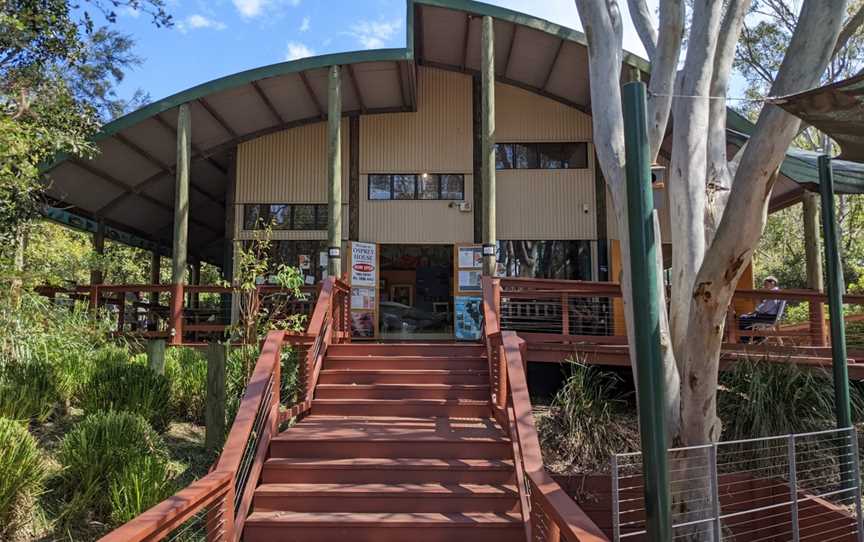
<point>407,349</point>
<point>402,391</point>
<point>382,527</point>
<point>403,376</point>
<point>431,362</point>
<point>442,498</point>
<point>445,408</point>
<point>387,470</point>
<point>389,437</point>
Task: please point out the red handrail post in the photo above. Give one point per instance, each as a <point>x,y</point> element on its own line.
<point>565,315</point>
<point>176,314</point>
<point>731,324</point>
<point>818,329</point>
<point>121,311</point>
<point>94,297</point>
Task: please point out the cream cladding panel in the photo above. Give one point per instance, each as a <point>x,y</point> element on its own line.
<point>434,139</point>
<point>546,204</point>
<point>521,115</point>
<point>415,221</point>
<point>288,166</point>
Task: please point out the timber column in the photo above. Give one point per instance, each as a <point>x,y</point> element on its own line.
<point>487,143</point>
<point>96,274</point>
<point>181,222</point>
<point>334,172</point>
<point>815,277</point>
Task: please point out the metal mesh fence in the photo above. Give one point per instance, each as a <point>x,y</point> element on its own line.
<point>803,487</point>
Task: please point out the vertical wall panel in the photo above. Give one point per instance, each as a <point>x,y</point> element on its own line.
<point>415,221</point>
<point>288,166</point>
<point>521,115</point>
<point>435,139</point>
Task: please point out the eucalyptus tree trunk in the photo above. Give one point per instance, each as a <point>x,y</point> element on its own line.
<point>718,207</point>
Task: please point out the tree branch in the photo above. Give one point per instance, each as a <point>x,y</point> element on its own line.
<point>664,66</point>
<point>852,25</point>
<point>644,24</point>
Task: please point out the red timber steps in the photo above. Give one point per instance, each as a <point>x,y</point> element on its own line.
<point>400,446</point>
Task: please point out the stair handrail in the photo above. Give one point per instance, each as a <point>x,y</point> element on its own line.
<point>221,500</point>
<point>552,515</point>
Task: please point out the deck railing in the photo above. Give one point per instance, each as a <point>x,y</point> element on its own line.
<point>549,513</point>
<point>215,507</point>
<point>591,314</point>
<point>158,311</point>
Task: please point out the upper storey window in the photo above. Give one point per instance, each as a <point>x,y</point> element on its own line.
<point>541,156</point>
<point>428,186</point>
<point>285,216</point>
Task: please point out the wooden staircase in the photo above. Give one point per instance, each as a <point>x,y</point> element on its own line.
<point>401,444</point>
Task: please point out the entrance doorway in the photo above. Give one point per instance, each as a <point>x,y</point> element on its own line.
<point>416,292</point>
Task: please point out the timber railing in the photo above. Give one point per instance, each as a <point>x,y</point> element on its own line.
<point>548,512</point>
<point>591,314</point>
<point>215,507</point>
<point>145,310</point>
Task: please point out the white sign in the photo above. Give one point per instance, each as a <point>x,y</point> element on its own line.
<point>363,264</point>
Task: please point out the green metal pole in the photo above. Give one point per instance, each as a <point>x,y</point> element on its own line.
<point>334,172</point>
<point>646,313</point>
<point>834,280</point>
<point>487,143</point>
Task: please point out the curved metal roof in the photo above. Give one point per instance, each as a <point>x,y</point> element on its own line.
<point>129,184</point>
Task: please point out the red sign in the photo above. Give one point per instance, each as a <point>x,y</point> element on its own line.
<point>363,267</point>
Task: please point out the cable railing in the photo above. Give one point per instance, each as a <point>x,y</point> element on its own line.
<point>194,315</point>
<point>799,487</point>
<point>589,317</point>
<point>216,506</point>
<point>548,512</point>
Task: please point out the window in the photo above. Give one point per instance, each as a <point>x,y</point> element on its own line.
<point>541,156</point>
<point>428,186</point>
<point>285,216</point>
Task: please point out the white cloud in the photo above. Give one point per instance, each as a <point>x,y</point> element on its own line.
<point>375,34</point>
<point>196,21</point>
<point>304,26</point>
<point>297,50</point>
<point>129,11</point>
<point>255,8</point>
<point>249,8</point>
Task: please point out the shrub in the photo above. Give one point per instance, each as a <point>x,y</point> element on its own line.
<point>141,484</point>
<point>96,453</point>
<point>761,399</point>
<point>186,370</point>
<point>587,422</point>
<point>27,391</point>
<point>22,472</point>
<point>129,387</point>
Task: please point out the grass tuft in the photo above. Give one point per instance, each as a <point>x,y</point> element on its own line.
<point>129,387</point>
<point>22,472</point>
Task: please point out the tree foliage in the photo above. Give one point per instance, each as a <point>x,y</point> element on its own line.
<point>57,75</point>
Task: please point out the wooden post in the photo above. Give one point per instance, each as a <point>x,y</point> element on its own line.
<point>96,274</point>
<point>815,277</point>
<point>156,355</point>
<point>487,137</point>
<point>565,314</point>
<point>155,274</point>
<point>181,222</point>
<point>334,172</point>
<point>214,414</point>
<point>227,300</point>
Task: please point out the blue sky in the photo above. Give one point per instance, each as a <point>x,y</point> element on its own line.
<point>220,37</point>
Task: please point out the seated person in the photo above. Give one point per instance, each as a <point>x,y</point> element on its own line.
<point>765,313</point>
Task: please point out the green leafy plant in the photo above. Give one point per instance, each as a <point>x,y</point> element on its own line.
<point>97,452</point>
<point>27,391</point>
<point>588,421</point>
<point>129,387</point>
<point>22,472</point>
<point>186,370</point>
<point>142,483</point>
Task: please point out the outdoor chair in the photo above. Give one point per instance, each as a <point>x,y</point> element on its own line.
<point>773,327</point>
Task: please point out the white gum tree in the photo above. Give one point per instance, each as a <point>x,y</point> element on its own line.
<point>718,203</point>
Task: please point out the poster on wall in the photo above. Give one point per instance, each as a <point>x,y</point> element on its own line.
<point>362,298</point>
<point>469,317</point>
<point>470,257</point>
<point>362,324</point>
<point>364,260</point>
<point>469,281</point>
